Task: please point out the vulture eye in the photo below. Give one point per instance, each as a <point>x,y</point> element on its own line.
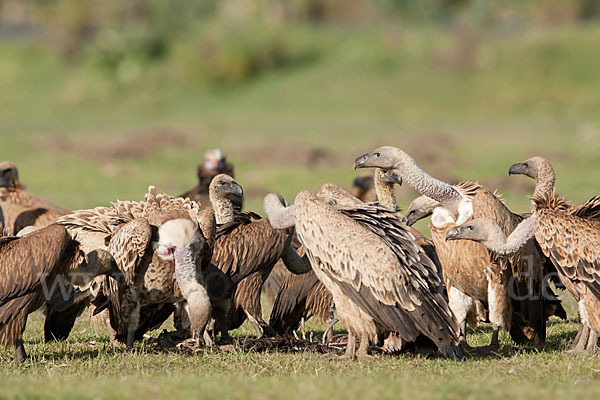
<point>165,252</point>
<point>470,227</point>
<point>412,212</point>
<point>526,165</point>
<point>377,154</point>
<point>221,183</point>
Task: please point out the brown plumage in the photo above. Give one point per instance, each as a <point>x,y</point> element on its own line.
<point>470,267</point>
<point>540,170</point>
<point>22,208</point>
<point>31,267</point>
<point>379,278</point>
<point>246,249</point>
<point>214,163</point>
<point>160,245</point>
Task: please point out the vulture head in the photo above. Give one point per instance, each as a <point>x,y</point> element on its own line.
<point>362,185</point>
<point>421,207</point>
<point>225,193</point>
<point>385,157</point>
<point>482,230</point>
<point>214,160</point>
<point>179,240</point>
<point>535,168</point>
<point>9,175</point>
<point>279,214</point>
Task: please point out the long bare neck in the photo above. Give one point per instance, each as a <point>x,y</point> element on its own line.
<point>385,191</point>
<point>544,183</point>
<point>425,184</point>
<point>507,246</point>
<point>223,208</point>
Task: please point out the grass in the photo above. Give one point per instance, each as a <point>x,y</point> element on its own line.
<point>530,93</point>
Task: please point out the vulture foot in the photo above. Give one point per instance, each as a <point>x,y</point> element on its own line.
<point>20,354</point>
<point>393,343</point>
<point>328,334</point>
<point>580,343</point>
<point>592,343</point>
<point>487,350</point>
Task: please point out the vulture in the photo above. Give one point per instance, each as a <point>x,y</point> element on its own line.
<point>161,245</point>
<point>540,170</point>
<point>246,250</point>
<point>511,287</point>
<point>36,269</point>
<point>570,241</point>
<point>215,163</point>
<point>20,207</point>
<point>466,309</point>
<point>23,209</point>
<point>380,279</point>
<point>296,298</point>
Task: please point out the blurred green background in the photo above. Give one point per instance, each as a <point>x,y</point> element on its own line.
<point>99,99</point>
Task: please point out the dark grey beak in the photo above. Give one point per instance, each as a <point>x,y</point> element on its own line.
<point>517,169</point>
<point>392,177</point>
<point>361,161</point>
<point>405,221</point>
<point>453,234</point>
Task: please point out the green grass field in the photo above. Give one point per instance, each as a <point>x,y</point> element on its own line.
<point>80,142</point>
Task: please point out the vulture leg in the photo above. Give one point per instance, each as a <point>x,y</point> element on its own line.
<point>581,341</point>
<point>393,343</point>
<point>498,305</point>
<point>303,328</point>
<point>350,348</point>
<point>582,334</point>
<point>592,342</point>
<point>20,354</point>
<point>134,319</point>
<point>363,347</point>
<point>328,334</point>
<point>260,326</point>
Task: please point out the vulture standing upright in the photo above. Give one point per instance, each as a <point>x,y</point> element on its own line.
<point>514,303</point>
<point>246,249</point>
<point>380,279</point>
<point>34,269</point>
<point>161,245</point>
<point>214,163</point>
<point>570,241</point>
<point>542,172</point>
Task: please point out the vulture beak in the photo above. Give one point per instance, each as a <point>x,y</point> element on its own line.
<point>517,169</point>
<point>405,221</point>
<point>392,177</point>
<point>361,162</point>
<point>236,189</point>
<point>454,234</point>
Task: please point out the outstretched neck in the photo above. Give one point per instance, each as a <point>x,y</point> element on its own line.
<point>385,191</point>
<point>544,184</point>
<point>223,207</point>
<point>425,184</point>
<point>507,246</point>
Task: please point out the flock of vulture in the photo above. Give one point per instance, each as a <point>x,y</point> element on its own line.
<point>333,255</point>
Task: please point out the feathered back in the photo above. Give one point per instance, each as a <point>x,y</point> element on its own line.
<point>551,201</point>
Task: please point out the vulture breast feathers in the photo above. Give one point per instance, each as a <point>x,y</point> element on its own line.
<point>372,256</point>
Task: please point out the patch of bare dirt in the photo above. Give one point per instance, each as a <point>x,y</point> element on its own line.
<point>128,146</point>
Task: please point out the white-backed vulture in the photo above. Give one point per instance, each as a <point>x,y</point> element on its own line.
<point>540,170</point>
<point>571,242</point>
<point>246,249</point>
<point>514,303</point>
<point>161,245</point>
<point>379,278</point>
<point>214,163</point>
<point>34,270</point>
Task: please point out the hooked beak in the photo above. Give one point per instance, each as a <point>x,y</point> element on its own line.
<point>405,220</point>
<point>453,234</point>
<point>392,177</point>
<point>516,169</point>
<point>361,162</point>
